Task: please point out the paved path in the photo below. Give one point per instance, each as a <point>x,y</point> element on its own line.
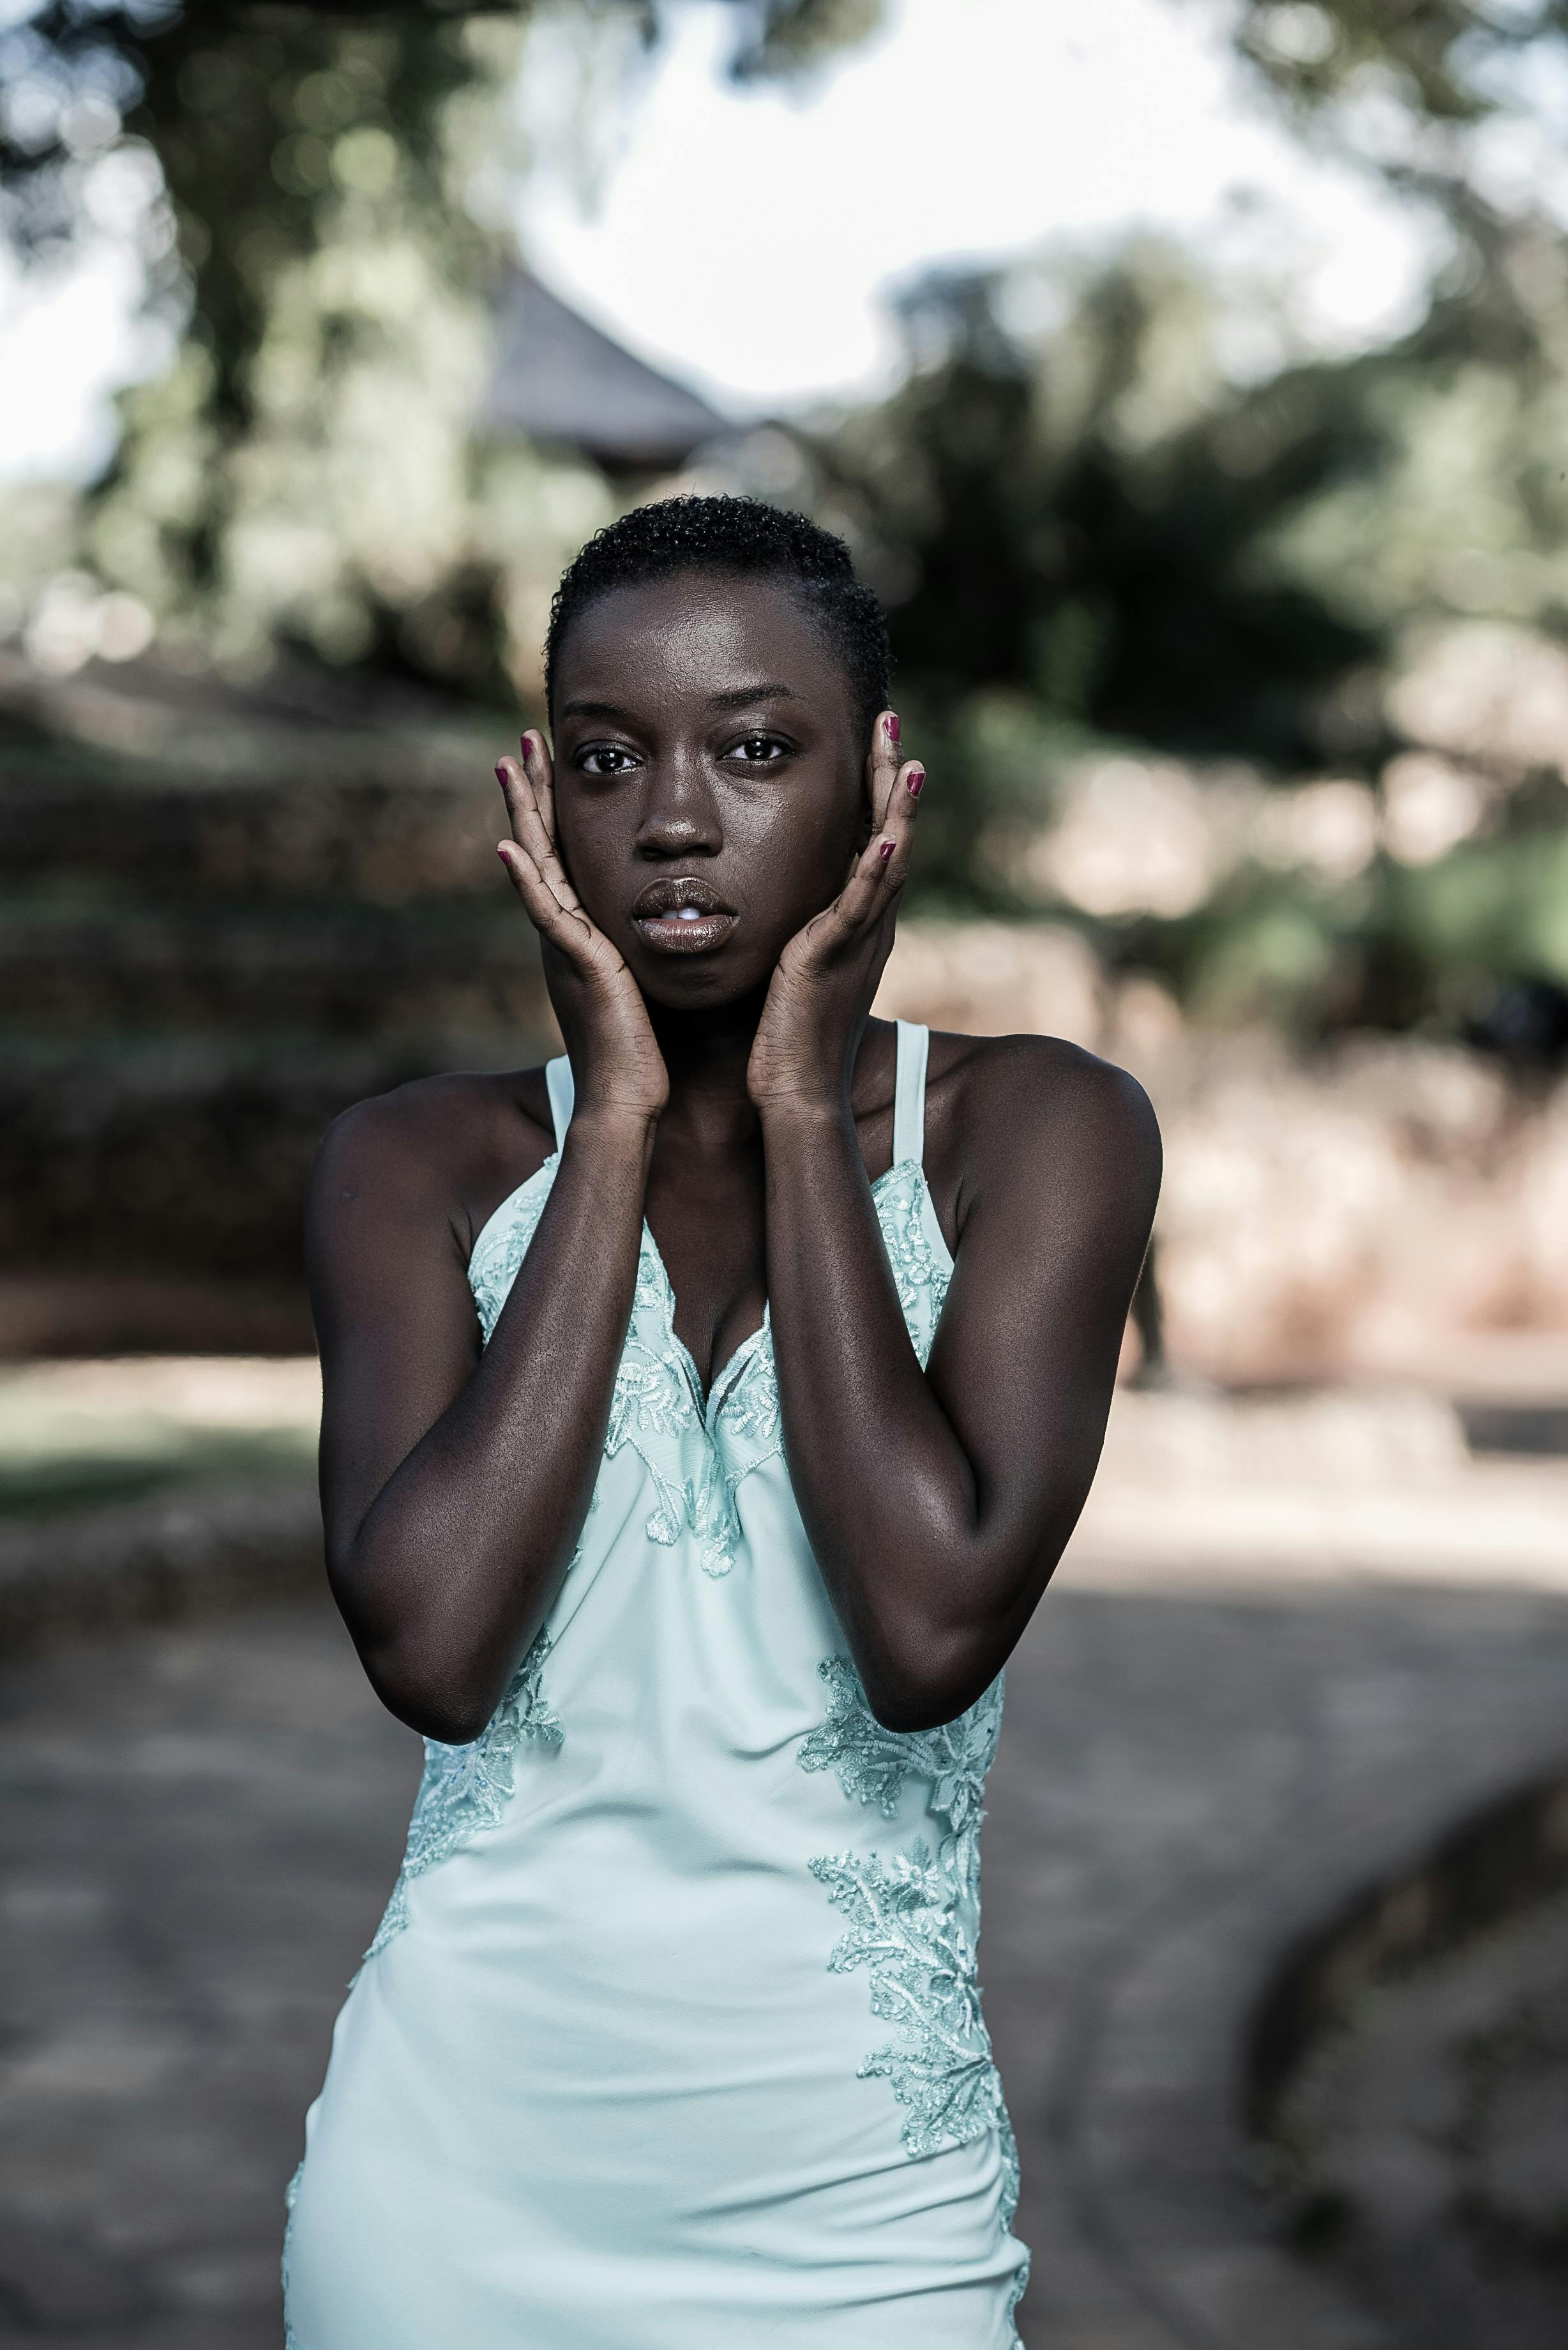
<point>1189,1781</point>
<point>196,1830</point>
<point>198,1827</point>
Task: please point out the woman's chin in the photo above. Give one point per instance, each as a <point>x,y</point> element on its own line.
<point>699,983</point>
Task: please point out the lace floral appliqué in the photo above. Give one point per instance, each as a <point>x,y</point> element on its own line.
<point>656,1406</point>
<point>290,2197</point>
<point>493,1270</point>
<point>655,1409</point>
<point>465,1789</point>
<point>873,1762</point>
<point>921,1281</point>
<point>696,1461</point>
<point>911,1922</point>
<point>904,1928</point>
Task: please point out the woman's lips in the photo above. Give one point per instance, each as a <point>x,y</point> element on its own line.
<point>683,915</point>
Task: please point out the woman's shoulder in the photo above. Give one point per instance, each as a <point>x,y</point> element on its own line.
<point>1035,1108</point>
<point>455,1145</point>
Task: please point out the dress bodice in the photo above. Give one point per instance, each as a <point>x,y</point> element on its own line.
<point>695,1450</point>
<point>684,1872</point>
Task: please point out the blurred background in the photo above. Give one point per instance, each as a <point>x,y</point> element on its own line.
<point>1188,376</point>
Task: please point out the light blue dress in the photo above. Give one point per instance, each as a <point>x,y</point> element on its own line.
<point>670,2038</point>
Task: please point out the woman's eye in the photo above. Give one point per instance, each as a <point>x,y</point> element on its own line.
<point>604,759</point>
<point>759,750</point>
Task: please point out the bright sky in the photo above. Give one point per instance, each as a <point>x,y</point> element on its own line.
<point>746,239</point>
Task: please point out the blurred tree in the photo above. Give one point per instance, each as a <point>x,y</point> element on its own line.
<point>1103,559</point>
<point>1441,64</point>
<point>1457,104</point>
<point>1075,527</point>
<point>1443,56</point>
<point>1082,511</point>
<point>322,193</point>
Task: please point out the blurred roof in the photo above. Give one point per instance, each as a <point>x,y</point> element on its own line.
<point>559,378</point>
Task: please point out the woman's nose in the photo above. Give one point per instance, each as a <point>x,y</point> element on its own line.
<point>679,815</point>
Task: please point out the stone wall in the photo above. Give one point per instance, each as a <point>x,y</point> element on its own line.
<point>197,972</point>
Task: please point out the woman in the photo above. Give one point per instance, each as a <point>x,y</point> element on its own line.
<point>696,1551</point>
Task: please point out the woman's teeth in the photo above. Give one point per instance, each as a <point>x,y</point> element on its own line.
<point>684,926</point>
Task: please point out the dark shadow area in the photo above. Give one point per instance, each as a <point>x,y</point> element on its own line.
<point>1410,2080</point>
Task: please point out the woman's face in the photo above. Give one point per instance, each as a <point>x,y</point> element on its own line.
<point>710,785</point>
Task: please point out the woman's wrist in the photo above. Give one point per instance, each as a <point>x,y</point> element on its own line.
<point>806,1118</point>
<point>614,1129</point>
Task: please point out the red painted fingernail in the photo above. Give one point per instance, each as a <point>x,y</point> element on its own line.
<point>892,726</point>
<point>525,742</point>
<point>916,778</point>
<point>499,773</point>
<point>886,851</point>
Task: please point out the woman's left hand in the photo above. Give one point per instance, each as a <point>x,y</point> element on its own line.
<point>821,994</point>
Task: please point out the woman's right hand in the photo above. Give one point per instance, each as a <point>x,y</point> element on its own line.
<point>616,1065</point>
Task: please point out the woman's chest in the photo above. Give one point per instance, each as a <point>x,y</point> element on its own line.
<point>708,1222</point>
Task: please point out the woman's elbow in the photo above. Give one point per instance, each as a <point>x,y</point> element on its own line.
<point>436,1714</point>
<point>915,1692</point>
<point>447,1723</point>
<point>452,1707</point>
<point>427,1671</point>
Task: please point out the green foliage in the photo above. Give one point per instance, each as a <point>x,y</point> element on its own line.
<point>1467,511</point>
<point>1076,532</point>
<point>783,38</point>
<point>306,471</point>
<point>1083,517</point>
<point>1453,103</point>
<point>1106,562</point>
<point>1396,948</point>
<point>1102,555</point>
<point>303,470</point>
<point>1445,59</point>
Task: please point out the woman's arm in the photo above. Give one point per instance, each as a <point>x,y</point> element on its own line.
<point>454,1481</point>
<point>938,1501</point>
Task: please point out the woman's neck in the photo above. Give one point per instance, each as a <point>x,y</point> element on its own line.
<point>705,1056</point>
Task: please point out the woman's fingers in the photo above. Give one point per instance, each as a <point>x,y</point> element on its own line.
<point>882,767</point>
<point>529,829</point>
<point>540,769</point>
<point>884,863</point>
<point>522,808</point>
<point>880,867</point>
<point>534,865</point>
<point>565,926</point>
<point>528,786</point>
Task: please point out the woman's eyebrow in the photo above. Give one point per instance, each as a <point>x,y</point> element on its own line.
<point>596,710</point>
<point>741,697</point>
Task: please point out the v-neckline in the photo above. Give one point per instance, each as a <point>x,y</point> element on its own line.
<point>708,1400</point>
<point>711,1401</point>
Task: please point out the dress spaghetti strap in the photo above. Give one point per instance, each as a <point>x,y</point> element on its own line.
<point>562,1092</point>
<point>910,1093</point>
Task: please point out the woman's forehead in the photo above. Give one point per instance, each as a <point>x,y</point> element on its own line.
<point>696,633</point>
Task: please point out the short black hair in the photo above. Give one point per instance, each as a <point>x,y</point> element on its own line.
<point>748,539</point>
